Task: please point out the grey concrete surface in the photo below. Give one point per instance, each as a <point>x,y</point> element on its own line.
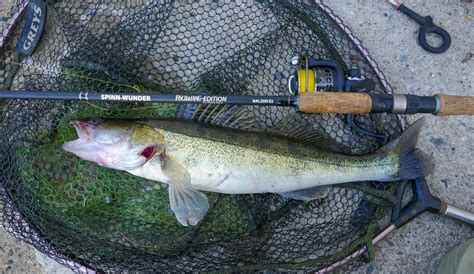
<point>5,8</point>
<point>391,39</point>
<point>16,256</point>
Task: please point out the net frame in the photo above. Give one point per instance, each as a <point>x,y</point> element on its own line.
<point>77,266</point>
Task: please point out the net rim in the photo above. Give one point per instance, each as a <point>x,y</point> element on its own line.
<point>16,17</point>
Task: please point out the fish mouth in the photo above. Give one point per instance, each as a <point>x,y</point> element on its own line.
<point>84,132</point>
<point>72,146</point>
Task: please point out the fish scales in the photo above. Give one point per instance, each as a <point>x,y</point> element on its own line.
<point>257,165</point>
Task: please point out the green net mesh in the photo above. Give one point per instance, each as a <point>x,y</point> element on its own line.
<point>84,215</point>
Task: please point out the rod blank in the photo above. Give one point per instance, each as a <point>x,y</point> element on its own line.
<point>151,97</point>
<point>314,102</point>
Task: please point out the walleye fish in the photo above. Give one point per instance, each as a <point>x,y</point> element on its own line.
<point>190,157</point>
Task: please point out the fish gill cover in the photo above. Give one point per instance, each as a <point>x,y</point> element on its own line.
<point>84,215</point>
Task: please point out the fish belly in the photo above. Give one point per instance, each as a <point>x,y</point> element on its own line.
<point>277,179</point>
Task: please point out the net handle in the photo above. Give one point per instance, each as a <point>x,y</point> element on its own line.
<point>423,201</point>
<point>359,252</point>
<point>458,214</point>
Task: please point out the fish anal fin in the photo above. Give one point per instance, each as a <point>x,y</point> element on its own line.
<point>188,204</point>
<point>309,194</point>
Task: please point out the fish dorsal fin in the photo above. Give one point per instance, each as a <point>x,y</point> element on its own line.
<point>276,120</point>
<point>188,204</point>
<point>219,115</point>
<point>303,131</point>
<point>309,194</point>
<point>245,118</point>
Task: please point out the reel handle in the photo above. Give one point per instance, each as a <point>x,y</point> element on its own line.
<point>366,103</point>
<point>455,105</point>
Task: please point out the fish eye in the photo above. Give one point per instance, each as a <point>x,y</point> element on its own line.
<point>95,122</point>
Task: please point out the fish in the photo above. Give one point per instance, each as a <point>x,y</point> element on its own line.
<point>193,157</point>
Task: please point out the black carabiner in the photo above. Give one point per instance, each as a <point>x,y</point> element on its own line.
<point>427,26</point>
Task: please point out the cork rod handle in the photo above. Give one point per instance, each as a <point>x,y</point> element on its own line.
<point>335,102</point>
<point>456,105</point>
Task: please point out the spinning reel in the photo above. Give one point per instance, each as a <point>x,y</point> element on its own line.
<point>315,75</point>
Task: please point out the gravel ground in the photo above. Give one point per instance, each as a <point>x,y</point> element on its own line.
<point>391,38</point>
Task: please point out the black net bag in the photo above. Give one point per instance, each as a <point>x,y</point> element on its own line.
<point>92,218</point>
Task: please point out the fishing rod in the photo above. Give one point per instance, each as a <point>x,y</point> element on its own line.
<point>314,102</point>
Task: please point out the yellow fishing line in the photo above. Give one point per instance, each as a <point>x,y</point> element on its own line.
<point>108,109</point>
<point>97,106</point>
<point>135,87</point>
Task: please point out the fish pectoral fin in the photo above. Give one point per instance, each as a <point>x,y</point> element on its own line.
<point>309,194</point>
<point>188,204</point>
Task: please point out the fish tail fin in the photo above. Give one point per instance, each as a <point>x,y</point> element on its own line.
<point>413,162</point>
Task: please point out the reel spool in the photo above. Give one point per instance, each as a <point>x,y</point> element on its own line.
<point>316,75</point>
